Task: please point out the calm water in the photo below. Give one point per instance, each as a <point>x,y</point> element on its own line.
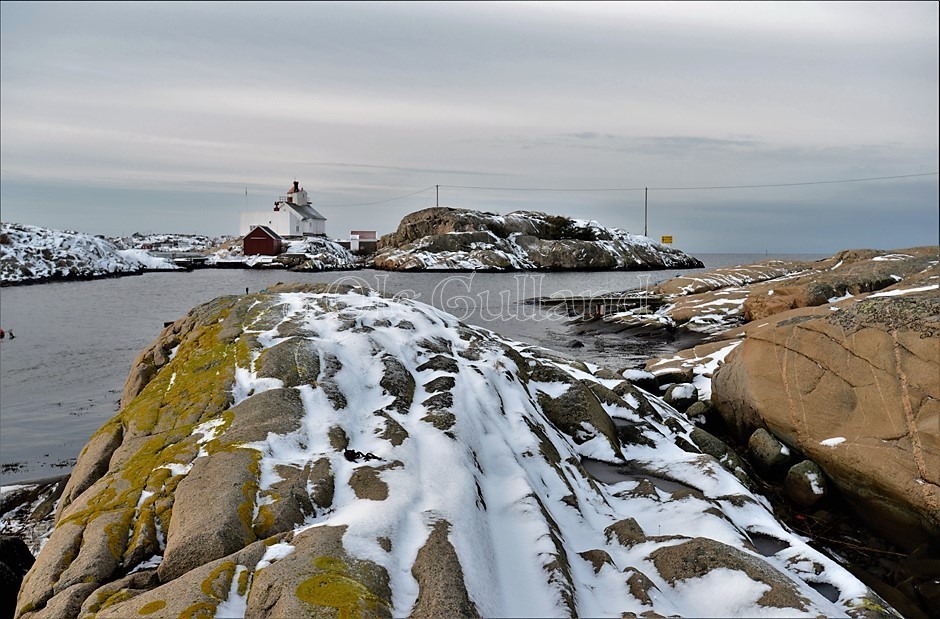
<point>62,377</point>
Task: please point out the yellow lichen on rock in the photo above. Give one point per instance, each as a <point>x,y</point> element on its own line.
<point>220,579</point>
<point>151,607</point>
<point>334,589</point>
<point>202,610</point>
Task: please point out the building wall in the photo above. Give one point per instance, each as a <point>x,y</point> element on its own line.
<point>285,222</point>
<point>279,221</point>
<point>316,226</point>
<point>259,243</point>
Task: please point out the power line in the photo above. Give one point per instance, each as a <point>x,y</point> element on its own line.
<point>849,180</point>
<point>830,182</point>
<point>408,195</point>
<point>599,189</point>
<point>543,188</point>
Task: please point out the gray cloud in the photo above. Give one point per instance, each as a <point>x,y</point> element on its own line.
<point>185,104</point>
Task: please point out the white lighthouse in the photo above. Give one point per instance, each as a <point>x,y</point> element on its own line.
<point>292,216</point>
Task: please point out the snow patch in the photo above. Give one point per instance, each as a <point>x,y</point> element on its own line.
<point>847,295</point>
<point>897,293</point>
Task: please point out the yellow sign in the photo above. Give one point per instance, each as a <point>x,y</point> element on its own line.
<point>667,239</point>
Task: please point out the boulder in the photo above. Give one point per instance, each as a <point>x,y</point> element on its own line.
<point>681,396</point>
<point>697,557</point>
<point>672,375</point>
<point>703,414</point>
<point>769,455</point>
<point>856,391</point>
<point>805,484</point>
<point>626,532</point>
<point>641,378</point>
<point>719,450</point>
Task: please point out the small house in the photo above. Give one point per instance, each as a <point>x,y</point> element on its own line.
<point>361,242</point>
<point>263,241</point>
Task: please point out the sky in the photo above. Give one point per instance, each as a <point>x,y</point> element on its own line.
<point>177,117</point>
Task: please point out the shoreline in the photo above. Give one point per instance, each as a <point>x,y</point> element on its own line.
<point>57,279</point>
<point>5,488</point>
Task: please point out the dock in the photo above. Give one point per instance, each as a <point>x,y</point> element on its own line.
<point>185,259</point>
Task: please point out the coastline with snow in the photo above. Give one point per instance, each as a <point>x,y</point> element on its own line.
<point>36,255</point>
<point>32,255</point>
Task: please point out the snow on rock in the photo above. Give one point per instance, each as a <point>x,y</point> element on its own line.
<point>902,291</point>
<point>337,450</point>
<point>730,277</point>
<point>443,238</point>
<point>145,259</point>
<point>307,254</point>
<point>715,301</point>
<point>33,254</point>
<point>27,510</point>
<point>169,242</point>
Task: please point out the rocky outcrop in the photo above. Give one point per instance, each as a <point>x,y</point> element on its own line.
<point>715,301</point>
<point>855,388</point>
<point>31,254</point>
<point>309,452</point>
<point>458,239</point>
<point>815,372</point>
<point>315,253</point>
<point>848,274</point>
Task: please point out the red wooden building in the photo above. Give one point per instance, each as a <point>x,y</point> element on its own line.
<point>264,241</point>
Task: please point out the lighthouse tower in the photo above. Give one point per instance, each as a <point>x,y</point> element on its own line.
<point>297,195</point>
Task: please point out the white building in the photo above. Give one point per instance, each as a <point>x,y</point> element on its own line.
<point>292,216</point>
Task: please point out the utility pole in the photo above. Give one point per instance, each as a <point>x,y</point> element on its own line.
<point>646,193</point>
<point>437,195</point>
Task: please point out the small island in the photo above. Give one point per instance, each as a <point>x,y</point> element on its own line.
<point>453,239</point>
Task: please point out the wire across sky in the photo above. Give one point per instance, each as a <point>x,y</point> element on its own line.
<point>602,189</point>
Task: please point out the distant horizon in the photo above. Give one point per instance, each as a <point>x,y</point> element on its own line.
<point>159,116</point>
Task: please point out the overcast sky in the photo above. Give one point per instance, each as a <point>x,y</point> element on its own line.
<point>156,117</point>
